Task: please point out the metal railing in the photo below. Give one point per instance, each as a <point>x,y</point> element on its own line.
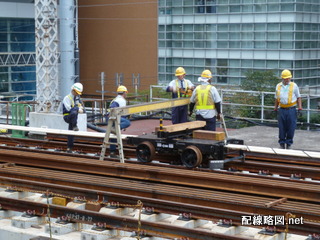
<point>237,103</point>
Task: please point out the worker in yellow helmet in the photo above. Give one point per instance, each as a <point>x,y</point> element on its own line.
<point>180,88</point>
<point>71,107</point>
<point>119,101</point>
<point>207,101</point>
<point>287,99</point>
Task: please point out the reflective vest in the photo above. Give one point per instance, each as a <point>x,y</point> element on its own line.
<point>181,92</point>
<point>72,104</point>
<point>289,103</point>
<point>204,98</point>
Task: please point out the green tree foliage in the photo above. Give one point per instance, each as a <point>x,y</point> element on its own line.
<point>260,81</point>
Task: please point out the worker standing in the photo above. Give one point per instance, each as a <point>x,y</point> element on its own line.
<point>119,101</point>
<point>180,88</point>
<point>71,107</point>
<point>287,98</point>
<point>207,101</point>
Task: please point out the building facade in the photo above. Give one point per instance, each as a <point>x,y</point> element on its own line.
<point>17,49</point>
<point>234,37</point>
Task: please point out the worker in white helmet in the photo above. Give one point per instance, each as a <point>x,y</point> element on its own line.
<point>71,107</point>
<point>207,101</point>
<point>119,101</point>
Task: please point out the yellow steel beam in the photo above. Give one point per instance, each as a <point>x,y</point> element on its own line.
<point>145,107</point>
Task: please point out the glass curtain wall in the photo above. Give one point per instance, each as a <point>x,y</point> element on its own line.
<point>17,36</point>
<point>203,34</point>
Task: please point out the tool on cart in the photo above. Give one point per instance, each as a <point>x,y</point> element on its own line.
<point>219,164</point>
<point>223,123</point>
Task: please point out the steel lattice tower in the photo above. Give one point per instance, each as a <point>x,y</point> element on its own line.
<point>47,54</point>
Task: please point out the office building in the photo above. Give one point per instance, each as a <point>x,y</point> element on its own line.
<point>233,37</point>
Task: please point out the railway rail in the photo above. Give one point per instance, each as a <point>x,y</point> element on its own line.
<point>202,203</point>
<point>207,194</point>
<point>265,164</point>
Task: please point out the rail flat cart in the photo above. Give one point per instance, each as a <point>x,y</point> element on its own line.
<point>192,146</point>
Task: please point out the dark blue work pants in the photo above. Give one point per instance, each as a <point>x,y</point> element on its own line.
<point>210,122</point>
<point>179,114</point>
<point>72,119</point>
<point>287,122</point>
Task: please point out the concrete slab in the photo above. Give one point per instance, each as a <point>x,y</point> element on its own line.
<point>268,137</point>
<point>55,120</point>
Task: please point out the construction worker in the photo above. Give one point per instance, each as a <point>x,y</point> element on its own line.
<point>206,99</point>
<point>71,107</point>
<point>180,88</point>
<point>287,97</point>
<point>119,101</point>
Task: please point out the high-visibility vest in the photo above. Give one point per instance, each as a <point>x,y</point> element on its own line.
<point>204,98</point>
<point>185,84</point>
<point>290,93</point>
<point>72,103</point>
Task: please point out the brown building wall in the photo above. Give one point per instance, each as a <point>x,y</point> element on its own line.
<point>117,36</point>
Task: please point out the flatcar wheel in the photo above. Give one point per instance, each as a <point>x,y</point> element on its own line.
<point>191,157</point>
<point>145,152</point>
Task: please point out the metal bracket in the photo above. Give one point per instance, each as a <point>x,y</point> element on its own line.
<point>268,231</point>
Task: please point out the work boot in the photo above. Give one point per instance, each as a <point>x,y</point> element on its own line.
<point>288,146</point>
<point>75,128</point>
<point>282,146</point>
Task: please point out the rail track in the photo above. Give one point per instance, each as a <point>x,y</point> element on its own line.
<point>44,165</point>
<point>264,164</point>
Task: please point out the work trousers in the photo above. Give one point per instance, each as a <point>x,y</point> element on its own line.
<point>287,122</point>
<point>72,119</point>
<point>210,122</point>
<point>179,114</point>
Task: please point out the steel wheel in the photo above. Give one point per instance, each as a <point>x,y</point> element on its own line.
<point>145,152</point>
<point>191,157</point>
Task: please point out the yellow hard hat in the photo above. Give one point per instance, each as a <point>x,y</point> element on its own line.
<point>122,88</point>
<point>286,74</point>
<point>180,71</point>
<point>206,74</point>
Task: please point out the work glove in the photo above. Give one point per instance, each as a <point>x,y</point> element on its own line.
<point>80,110</point>
<point>299,113</point>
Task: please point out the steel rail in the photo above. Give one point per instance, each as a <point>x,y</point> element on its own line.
<point>302,190</point>
<point>169,192</point>
<point>101,198</point>
<point>275,168</point>
<point>254,165</point>
<point>112,221</point>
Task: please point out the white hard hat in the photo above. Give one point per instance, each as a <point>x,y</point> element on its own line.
<point>78,87</point>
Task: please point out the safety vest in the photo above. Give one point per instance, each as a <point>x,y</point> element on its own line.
<point>182,93</point>
<point>290,93</point>
<point>204,99</point>
<point>72,104</point>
